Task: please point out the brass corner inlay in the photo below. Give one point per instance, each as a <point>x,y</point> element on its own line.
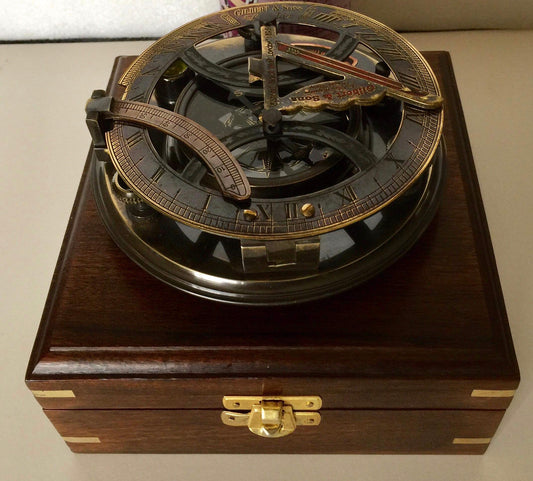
<point>81,439</point>
<point>66,393</point>
<point>471,440</point>
<point>493,392</point>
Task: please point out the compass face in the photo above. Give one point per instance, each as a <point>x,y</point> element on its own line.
<point>273,142</point>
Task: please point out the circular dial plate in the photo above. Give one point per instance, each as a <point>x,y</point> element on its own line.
<point>352,199</point>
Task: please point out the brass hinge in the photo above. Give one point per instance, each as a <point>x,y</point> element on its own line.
<point>271,417</point>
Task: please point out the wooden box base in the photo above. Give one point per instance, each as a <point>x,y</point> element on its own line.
<point>418,360</point>
<point>341,431</point>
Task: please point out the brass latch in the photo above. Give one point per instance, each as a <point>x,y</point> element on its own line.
<point>271,417</point>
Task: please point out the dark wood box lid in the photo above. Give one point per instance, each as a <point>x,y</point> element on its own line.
<point>425,333</point>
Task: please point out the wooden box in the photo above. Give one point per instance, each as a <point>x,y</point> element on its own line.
<point>418,360</point>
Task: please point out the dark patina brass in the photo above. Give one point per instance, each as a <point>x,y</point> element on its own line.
<point>264,139</point>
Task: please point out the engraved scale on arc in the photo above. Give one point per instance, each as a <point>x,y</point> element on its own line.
<point>271,138</point>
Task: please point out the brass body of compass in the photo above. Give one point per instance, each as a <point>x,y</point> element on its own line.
<point>268,145</point>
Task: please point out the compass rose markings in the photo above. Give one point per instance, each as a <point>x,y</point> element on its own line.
<point>346,194</point>
<point>134,139</point>
<point>158,174</point>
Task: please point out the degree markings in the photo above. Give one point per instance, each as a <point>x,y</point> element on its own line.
<point>226,169</point>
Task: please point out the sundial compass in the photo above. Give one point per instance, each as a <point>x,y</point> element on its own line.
<point>270,167</point>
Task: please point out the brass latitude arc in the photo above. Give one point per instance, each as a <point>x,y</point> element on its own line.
<point>353,199</point>
<point>225,168</point>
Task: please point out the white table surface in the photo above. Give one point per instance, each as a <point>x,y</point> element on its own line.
<point>43,145</point>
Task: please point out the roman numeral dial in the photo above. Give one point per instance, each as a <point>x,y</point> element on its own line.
<point>287,140</point>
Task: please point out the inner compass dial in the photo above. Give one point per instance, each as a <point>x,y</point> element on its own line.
<point>284,138</point>
<point>277,162</point>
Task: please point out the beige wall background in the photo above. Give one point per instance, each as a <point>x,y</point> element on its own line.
<point>43,145</point>
<point>26,20</point>
<point>427,15</point>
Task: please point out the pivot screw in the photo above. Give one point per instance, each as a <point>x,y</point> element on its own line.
<point>308,210</point>
<point>250,215</point>
<point>271,122</point>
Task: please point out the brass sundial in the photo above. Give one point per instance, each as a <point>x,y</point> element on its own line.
<point>249,165</point>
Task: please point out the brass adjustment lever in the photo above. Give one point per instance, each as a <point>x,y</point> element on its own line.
<point>271,417</point>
